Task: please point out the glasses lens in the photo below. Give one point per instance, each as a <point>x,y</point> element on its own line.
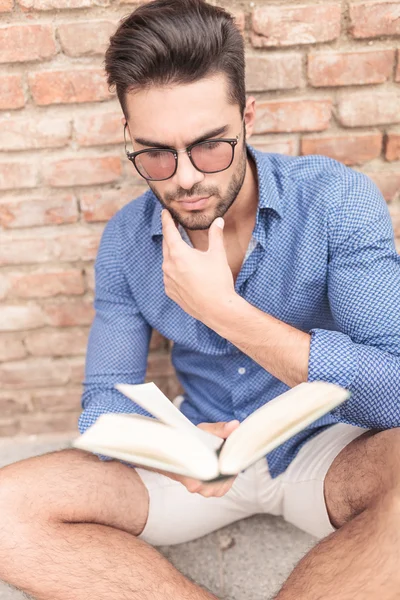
<point>211,157</point>
<point>155,164</point>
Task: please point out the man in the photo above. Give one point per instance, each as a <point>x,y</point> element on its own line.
<point>265,271</point>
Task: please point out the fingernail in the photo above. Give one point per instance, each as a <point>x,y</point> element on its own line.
<point>220,222</point>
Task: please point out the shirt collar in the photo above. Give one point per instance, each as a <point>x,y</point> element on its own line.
<point>268,193</point>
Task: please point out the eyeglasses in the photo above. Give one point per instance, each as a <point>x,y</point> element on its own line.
<point>208,156</point>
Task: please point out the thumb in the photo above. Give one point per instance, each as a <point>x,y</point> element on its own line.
<point>216,235</point>
<point>221,429</point>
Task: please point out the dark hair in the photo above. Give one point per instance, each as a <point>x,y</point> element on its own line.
<point>176,42</point>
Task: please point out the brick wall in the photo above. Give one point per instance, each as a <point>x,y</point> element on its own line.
<point>327,79</point>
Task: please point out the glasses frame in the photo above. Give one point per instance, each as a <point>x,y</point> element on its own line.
<point>132,155</point>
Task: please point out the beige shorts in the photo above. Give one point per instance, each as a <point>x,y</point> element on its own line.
<point>176,515</point>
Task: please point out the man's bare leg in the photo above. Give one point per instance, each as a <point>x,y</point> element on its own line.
<point>360,561</point>
<point>68,532</point>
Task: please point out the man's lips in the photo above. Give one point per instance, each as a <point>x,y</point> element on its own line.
<point>194,203</point>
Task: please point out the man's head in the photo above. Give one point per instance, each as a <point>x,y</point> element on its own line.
<point>178,69</point>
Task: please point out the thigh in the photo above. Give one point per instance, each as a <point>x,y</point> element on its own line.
<point>364,471</point>
<point>303,482</point>
<point>177,516</point>
<point>73,486</point>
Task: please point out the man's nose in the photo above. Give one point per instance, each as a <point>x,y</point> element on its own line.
<point>186,175</point>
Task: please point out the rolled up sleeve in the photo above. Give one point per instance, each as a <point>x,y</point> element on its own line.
<point>363,283</point>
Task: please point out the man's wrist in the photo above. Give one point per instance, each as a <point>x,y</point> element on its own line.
<point>226,312</point>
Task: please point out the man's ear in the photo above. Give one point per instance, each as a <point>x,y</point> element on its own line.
<point>250,115</point>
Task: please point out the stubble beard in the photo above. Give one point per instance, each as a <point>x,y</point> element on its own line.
<point>196,220</point>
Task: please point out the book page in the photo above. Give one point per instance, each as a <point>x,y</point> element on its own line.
<point>277,421</point>
<point>147,442</point>
<point>152,399</point>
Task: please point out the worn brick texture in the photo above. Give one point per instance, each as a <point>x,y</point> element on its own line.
<point>326,76</point>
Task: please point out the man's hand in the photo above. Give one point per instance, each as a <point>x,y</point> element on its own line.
<point>195,280</point>
<point>220,488</point>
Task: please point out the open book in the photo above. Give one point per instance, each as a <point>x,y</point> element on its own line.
<point>170,442</point>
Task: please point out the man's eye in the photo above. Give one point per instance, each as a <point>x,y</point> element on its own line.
<point>211,145</point>
<point>156,154</point>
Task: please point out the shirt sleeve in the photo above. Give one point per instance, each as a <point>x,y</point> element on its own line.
<point>363,280</point>
<point>118,340</point>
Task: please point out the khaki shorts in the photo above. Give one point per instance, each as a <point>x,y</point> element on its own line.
<point>176,515</point>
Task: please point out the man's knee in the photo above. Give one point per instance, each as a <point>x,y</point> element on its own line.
<point>73,486</point>
<point>29,487</point>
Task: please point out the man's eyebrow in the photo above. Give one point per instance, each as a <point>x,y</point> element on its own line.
<point>206,136</point>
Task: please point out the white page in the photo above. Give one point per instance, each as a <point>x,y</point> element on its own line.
<point>145,441</point>
<point>277,421</point>
<point>152,399</point>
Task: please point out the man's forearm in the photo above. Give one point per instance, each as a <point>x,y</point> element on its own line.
<point>279,348</point>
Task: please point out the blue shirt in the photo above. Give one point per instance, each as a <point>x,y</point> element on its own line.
<point>324,262</point>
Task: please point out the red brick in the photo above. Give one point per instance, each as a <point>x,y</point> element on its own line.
<point>350,68</point>
<point>351,150</point>
<point>86,38</point>
<point>14,175</point>
<point>6,6</point>
<point>273,72</point>
<point>388,182</point>
<point>26,133</point>
<point>17,318</point>
<point>293,115</point>
<point>276,144</point>
<point>65,87</point>
<point>12,403</point>
<point>35,372</point>
<point>11,92</point>
<point>157,341</point>
<point>60,4</point>
<point>370,107</point>
<point>57,400</point>
<point>291,25</point>
<point>69,312</point>
<point>99,129</point>
<point>239,17</point>
<point>11,347</point>
<point>393,146</point>
<point>77,369</point>
<point>50,423</point>
<point>374,19</point>
<point>79,245</point>
<point>23,43</point>
<point>82,171</point>
<point>159,364</point>
<point>103,204</point>
<point>48,342</point>
<point>26,251</point>
<point>89,276</point>
<point>45,284</point>
<point>36,212</point>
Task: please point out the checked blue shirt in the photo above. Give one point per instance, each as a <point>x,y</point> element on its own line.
<point>322,259</point>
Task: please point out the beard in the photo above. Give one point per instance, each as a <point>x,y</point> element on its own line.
<point>197,220</point>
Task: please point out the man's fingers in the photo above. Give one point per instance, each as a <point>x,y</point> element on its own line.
<point>216,236</point>
<point>221,429</point>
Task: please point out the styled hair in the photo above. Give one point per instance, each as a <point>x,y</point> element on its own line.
<point>169,42</point>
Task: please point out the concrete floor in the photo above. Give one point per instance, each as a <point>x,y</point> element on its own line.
<point>248,560</point>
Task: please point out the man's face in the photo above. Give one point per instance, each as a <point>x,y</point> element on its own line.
<point>175,117</point>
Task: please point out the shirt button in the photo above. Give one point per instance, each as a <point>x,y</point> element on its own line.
<point>241,371</point>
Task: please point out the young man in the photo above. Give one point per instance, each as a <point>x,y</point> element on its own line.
<point>299,281</point>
